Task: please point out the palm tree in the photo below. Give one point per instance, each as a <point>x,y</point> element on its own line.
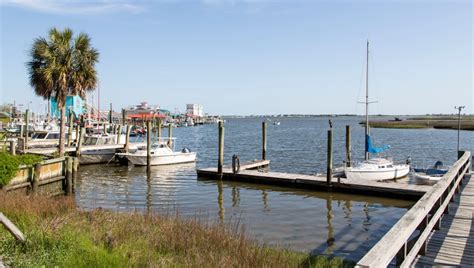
<point>60,66</point>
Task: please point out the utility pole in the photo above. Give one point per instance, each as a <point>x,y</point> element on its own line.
<point>459,108</point>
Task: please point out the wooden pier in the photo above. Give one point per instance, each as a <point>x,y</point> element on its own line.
<point>391,189</point>
<point>437,230</point>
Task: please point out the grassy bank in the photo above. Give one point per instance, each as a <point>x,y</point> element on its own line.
<point>60,235</point>
<point>426,123</point>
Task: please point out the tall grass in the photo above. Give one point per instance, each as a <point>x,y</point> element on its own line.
<point>60,235</point>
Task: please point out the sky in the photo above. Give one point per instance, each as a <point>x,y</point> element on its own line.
<point>257,57</point>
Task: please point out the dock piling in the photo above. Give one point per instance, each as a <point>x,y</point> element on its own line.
<point>159,129</point>
<point>170,135</point>
<point>264,140</point>
<point>27,120</point>
<point>36,177</point>
<point>124,117</point>
<point>220,160</point>
<point>119,134</point>
<point>348,146</point>
<point>12,148</point>
<point>329,160</point>
<point>79,142</point>
<point>148,145</point>
<point>69,130</point>
<point>69,169</point>
<point>127,138</point>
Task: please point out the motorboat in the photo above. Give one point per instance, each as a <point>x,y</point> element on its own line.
<point>162,153</point>
<point>374,168</point>
<point>95,148</point>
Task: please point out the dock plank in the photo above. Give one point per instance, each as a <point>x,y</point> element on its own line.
<point>453,244</point>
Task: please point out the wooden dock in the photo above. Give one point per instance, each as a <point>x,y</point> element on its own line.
<point>391,189</point>
<point>437,230</point>
<point>85,148</point>
<point>453,244</point>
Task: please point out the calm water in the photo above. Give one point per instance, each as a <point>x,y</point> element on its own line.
<point>303,220</point>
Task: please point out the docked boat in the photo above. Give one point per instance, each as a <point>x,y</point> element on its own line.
<point>99,153</point>
<point>161,154</point>
<point>375,168</point>
<point>434,173</point>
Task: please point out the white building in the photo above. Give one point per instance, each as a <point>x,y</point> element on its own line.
<point>194,110</point>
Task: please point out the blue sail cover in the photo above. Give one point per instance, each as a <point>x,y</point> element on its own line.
<point>373,150</point>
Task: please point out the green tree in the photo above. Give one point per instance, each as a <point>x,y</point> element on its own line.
<point>62,65</point>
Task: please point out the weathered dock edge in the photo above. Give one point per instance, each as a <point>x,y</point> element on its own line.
<point>406,192</point>
<point>424,216</point>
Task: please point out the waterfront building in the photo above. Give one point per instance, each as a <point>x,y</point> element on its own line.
<point>74,104</point>
<point>194,110</point>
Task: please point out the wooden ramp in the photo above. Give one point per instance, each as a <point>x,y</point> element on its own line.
<point>318,182</point>
<point>453,244</point>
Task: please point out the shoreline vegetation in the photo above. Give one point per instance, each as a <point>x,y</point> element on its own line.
<point>58,234</point>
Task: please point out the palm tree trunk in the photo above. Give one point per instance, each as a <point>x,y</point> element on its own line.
<point>62,130</point>
<point>49,110</point>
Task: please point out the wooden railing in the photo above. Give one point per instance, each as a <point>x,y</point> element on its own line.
<point>408,237</point>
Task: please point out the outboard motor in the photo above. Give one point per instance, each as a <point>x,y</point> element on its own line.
<point>408,161</point>
<point>438,165</point>
<point>186,150</point>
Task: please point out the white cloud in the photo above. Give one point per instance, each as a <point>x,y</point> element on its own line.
<point>75,7</point>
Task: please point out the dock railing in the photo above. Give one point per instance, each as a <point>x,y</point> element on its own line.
<point>408,237</point>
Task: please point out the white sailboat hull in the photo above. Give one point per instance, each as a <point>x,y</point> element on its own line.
<point>156,160</point>
<point>395,172</point>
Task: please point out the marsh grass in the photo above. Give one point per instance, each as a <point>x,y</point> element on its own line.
<point>58,234</point>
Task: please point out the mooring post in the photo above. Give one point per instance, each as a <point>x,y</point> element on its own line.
<point>159,130</point>
<point>119,134</point>
<point>77,133</point>
<point>170,135</point>
<point>220,160</point>
<point>75,167</point>
<point>124,117</point>
<point>68,189</point>
<point>148,145</point>
<point>36,177</point>
<point>127,138</point>
<point>22,131</point>
<point>329,160</point>
<point>69,130</point>
<point>264,140</point>
<point>27,120</point>
<point>79,142</point>
<point>348,147</point>
<point>110,114</point>
<point>12,147</point>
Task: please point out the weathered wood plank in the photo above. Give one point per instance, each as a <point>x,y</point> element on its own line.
<point>12,228</point>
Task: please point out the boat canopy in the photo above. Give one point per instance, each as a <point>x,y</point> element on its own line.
<point>374,150</point>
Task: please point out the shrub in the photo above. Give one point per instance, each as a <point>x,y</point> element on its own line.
<point>9,165</point>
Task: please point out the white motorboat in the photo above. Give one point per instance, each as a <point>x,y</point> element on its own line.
<point>161,154</point>
<point>93,155</point>
<point>375,168</point>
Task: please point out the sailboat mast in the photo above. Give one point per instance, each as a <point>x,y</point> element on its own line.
<point>367,130</point>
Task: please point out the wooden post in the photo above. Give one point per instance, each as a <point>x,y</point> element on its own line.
<point>27,120</point>
<point>69,131</point>
<point>124,117</point>
<point>148,145</point>
<point>35,178</point>
<point>79,142</point>
<point>68,189</point>
<point>12,148</point>
<point>329,160</point>
<point>75,167</point>
<point>220,160</point>
<point>77,133</point>
<point>119,134</point>
<point>264,140</point>
<point>110,114</point>
<point>22,131</point>
<point>127,138</point>
<point>159,130</point>
<point>105,128</point>
<point>348,147</point>
<point>170,135</point>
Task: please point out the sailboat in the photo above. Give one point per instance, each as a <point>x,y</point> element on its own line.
<point>374,168</point>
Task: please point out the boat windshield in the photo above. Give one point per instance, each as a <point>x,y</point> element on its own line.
<point>39,135</point>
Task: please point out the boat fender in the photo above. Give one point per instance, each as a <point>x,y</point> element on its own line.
<point>235,164</point>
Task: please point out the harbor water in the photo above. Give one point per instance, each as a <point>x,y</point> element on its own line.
<point>298,219</point>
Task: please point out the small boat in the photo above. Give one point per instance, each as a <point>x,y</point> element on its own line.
<point>374,168</point>
<point>91,155</point>
<point>161,154</point>
<point>434,173</point>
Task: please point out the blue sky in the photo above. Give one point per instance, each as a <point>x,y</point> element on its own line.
<point>258,57</point>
